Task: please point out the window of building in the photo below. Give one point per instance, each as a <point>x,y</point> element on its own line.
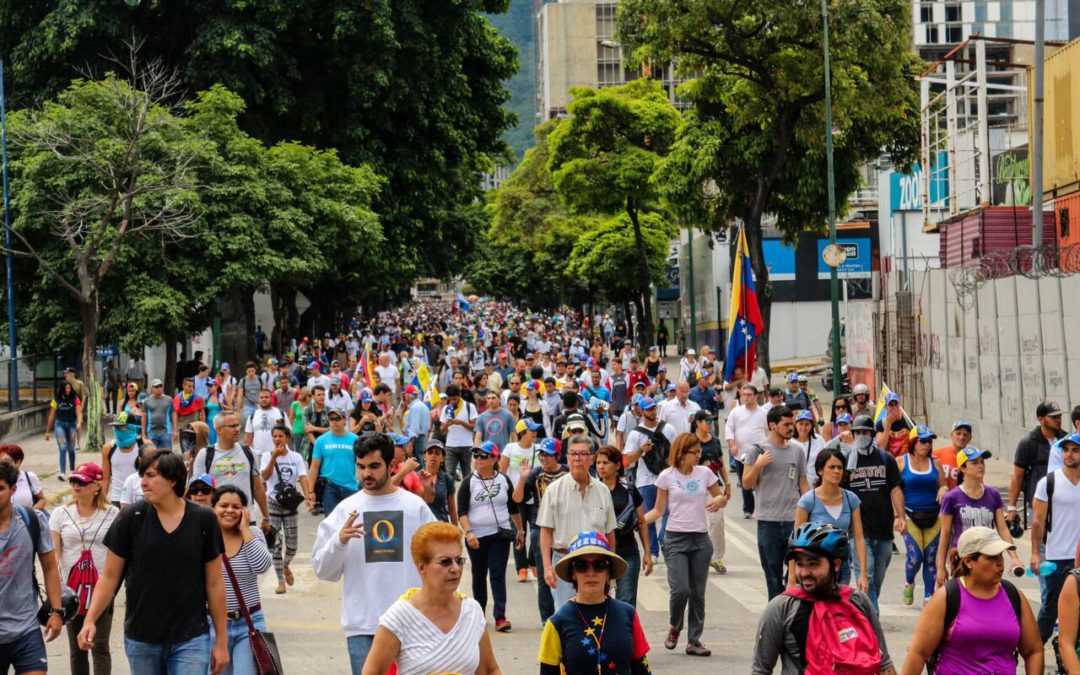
<point>605,21</point>
<point>952,13</point>
<point>954,34</point>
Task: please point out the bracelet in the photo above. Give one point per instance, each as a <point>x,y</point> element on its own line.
<point>1012,508</point>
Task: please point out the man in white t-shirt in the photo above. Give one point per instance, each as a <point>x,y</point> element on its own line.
<point>457,422</point>
<point>1064,508</point>
<point>258,431</point>
<point>524,451</point>
<point>365,542</point>
<point>746,426</point>
<point>388,374</point>
<point>637,443</point>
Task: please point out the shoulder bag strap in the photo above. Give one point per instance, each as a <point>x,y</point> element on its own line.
<point>239,596</point>
<point>491,500</point>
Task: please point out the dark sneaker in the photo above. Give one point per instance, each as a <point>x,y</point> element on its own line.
<point>697,649</point>
<point>672,638</point>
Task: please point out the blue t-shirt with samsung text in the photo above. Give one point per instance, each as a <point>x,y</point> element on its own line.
<point>338,461</point>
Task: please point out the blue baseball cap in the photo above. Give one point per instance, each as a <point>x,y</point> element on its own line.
<point>923,433</point>
<point>670,387</point>
<point>970,453</point>
<point>1073,438</point>
<point>402,439</point>
<point>804,415</point>
<point>591,363</point>
<point>843,418</point>
<point>365,396</point>
<point>892,397</point>
<point>549,446</point>
<point>794,377</point>
<point>202,478</point>
<point>662,369</point>
<point>225,365</point>
<point>962,424</point>
<point>636,399</point>
<point>646,403</point>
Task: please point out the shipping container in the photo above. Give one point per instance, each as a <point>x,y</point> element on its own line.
<point>1061,132</point>
<point>971,236</point>
<point>1067,222</point>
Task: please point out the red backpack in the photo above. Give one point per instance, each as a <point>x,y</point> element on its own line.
<point>842,636</point>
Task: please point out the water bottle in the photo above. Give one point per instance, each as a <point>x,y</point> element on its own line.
<point>1046,568</point>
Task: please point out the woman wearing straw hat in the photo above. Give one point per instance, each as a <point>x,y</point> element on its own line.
<point>593,632</point>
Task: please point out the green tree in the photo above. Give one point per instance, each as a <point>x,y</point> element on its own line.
<point>106,165</point>
<point>603,157</point>
<point>413,89</point>
<point>756,132</point>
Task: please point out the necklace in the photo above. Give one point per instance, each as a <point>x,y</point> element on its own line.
<point>590,632</point>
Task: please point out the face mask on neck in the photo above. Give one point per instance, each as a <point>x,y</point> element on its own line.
<point>125,437</point>
<point>862,444</point>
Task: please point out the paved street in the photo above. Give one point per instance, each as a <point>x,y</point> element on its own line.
<point>306,619</point>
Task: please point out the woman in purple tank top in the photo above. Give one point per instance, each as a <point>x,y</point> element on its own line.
<point>987,633</point>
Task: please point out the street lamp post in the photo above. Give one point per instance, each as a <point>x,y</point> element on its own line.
<point>13,365</point>
<point>834,283</point>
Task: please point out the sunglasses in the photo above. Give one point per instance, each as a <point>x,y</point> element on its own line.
<point>482,455</point>
<point>597,565</point>
<point>200,490</point>
<point>447,562</point>
<point>74,481</point>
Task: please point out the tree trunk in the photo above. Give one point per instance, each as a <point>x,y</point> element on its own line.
<point>645,324</point>
<point>92,406</point>
<point>170,363</point>
<point>247,301</point>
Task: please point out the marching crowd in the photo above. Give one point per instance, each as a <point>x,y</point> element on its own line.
<point>438,436</point>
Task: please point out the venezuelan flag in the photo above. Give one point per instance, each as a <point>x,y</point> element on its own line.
<point>879,412</point>
<point>744,322</point>
<point>364,367</point>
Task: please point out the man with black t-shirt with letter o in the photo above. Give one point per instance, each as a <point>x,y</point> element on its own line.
<point>168,551</point>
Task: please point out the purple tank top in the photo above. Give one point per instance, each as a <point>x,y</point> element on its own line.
<point>983,637</point>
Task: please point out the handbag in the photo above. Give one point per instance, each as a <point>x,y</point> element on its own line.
<point>264,647</point>
<point>285,494</point>
<point>627,521</point>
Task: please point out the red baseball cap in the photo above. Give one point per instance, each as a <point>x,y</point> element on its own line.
<point>87,473</point>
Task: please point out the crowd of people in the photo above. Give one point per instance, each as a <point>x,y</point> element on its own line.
<point>432,438</point>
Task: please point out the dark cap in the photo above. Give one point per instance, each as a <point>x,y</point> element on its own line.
<point>703,416</point>
<point>1047,408</point>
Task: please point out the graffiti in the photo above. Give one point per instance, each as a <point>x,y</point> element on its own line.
<point>989,381</point>
<point>930,348</point>
<point>987,340</point>
<point>1031,344</point>
<point>1011,177</point>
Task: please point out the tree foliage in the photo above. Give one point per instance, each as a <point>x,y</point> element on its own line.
<point>412,89</point>
<point>757,132</point>
<point>603,158</point>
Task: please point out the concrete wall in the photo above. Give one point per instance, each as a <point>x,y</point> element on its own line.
<point>568,51</point>
<point>994,356</point>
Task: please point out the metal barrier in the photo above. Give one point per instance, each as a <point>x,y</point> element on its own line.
<point>38,378</point>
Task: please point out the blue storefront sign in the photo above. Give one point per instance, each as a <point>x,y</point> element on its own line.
<point>905,189</point>
<point>857,265</point>
<point>780,259</point>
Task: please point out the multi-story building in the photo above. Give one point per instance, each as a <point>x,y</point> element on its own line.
<point>577,47</point>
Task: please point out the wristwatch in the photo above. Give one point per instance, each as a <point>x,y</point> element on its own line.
<point>1012,508</point>
<point>56,611</point>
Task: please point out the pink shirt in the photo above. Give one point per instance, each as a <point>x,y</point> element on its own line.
<point>687,496</point>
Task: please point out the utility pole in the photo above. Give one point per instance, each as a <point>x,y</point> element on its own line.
<point>834,282</point>
<point>13,364</point>
<point>1037,130</point>
<point>690,288</point>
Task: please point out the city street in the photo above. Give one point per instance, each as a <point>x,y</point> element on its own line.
<point>305,620</point>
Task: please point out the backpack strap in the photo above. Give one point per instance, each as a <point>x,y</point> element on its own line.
<point>1049,502</point>
<point>34,528</point>
<point>1013,595</point>
<point>952,604</point>
<point>251,474</point>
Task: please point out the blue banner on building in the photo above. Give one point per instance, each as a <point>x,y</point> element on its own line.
<point>857,265</point>
<point>779,259</point>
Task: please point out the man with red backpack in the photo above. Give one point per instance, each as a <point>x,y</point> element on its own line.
<point>838,622</point>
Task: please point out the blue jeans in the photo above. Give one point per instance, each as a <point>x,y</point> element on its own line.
<point>187,658</point>
<point>65,440</point>
<point>564,591</point>
<point>359,646</point>
<point>648,498</point>
<point>241,662</point>
<point>1049,590</point>
<point>162,440</point>
<point>626,585</point>
<point>772,540</point>
<point>333,495</point>
<point>878,557</point>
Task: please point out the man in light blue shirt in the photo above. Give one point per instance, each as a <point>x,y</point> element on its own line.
<point>417,421</point>
<point>333,459</point>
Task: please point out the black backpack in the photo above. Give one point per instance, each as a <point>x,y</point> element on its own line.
<point>209,461</point>
<point>657,456</point>
<point>952,609</point>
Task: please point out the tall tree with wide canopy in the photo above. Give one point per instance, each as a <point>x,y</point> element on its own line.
<point>602,160</point>
<point>756,134</point>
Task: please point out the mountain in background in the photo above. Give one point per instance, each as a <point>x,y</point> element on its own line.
<point>517,26</point>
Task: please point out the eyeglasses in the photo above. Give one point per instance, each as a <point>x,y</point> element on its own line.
<point>863,432</point>
<point>231,426</point>
<point>200,490</point>
<point>482,455</point>
<point>447,562</point>
<point>579,455</point>
<point>596,564</point>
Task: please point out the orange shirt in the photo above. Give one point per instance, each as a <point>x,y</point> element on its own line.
<point>947,456</point>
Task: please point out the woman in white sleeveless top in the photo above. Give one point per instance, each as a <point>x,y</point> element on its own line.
<point>434,629</point>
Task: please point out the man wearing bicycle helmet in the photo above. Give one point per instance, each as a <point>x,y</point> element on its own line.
<point>817,551</point>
